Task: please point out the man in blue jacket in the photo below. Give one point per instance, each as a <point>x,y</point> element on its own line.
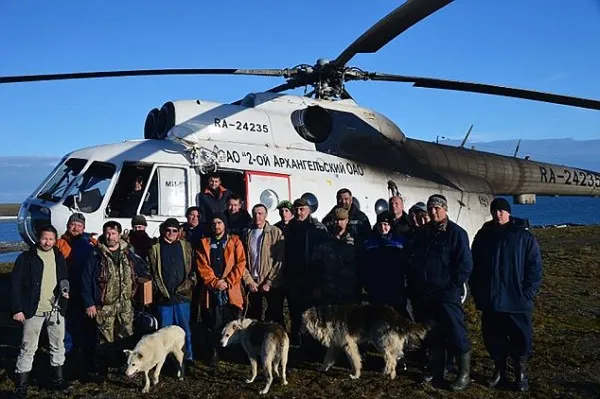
<point>507,273</point>
<point>440,263</point>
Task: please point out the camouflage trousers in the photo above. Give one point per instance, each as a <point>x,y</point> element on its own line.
<point>115,321</point>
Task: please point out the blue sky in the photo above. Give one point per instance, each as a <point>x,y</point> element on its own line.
<point>547,45</point>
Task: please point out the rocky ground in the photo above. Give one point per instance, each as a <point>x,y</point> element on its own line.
<point>565,363</point>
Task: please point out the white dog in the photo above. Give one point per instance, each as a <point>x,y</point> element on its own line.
<point>267,339</point>
<point>152,350</point>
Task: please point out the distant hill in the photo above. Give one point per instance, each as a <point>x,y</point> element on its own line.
<point>21,175</point>
<point>577,153</point>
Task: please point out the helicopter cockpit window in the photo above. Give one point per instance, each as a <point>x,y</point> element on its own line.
<point>167,193</point>
<point>64,175</point>
<point>126,197</point>
<point>87,193</point>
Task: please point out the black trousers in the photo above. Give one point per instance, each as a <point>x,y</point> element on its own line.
<point>447,322</point>
<point>507,334</point>
<point>215,318</point>
<point>298,301</point>
<point>274,311</point>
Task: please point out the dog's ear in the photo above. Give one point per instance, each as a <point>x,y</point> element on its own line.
<point>127,351</point>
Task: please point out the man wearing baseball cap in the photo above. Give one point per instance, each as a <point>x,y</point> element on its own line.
<point>507,274</point>
<point>439,266</point>
<point>304,234</point>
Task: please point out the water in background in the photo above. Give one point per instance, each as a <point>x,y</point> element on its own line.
<point>547,211</point>
<point>559,210</point>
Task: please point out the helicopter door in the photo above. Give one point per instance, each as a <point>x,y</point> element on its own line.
<point>267,189</point>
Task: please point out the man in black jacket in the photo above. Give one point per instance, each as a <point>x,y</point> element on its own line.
<point>507,273</point>
<point>37,301</point>
<point>440,264</point>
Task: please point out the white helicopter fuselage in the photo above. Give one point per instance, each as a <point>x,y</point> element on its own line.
<point>257,150</point>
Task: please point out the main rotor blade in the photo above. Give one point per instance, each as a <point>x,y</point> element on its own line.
<point>488,89</point>
<point>145,72</point>
<point>391,26</point>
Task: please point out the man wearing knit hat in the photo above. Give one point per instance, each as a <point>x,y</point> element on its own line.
<point>138,238</point>
<point>383,265</point>
<point>174,277</point>
<point>507,274</point>
<point>221,261</point>
<point>439,266</point>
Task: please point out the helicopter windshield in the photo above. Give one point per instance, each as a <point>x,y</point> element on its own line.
<point>65,174</point>
<point>87,193</point>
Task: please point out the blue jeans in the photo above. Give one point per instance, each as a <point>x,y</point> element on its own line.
<point>179,315</point>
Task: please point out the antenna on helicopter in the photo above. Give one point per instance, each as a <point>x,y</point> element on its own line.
<point>517,149</point>
<point>466,136</point>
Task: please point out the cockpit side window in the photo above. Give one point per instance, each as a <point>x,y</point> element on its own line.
<point>87,193</point>
<point>129,190</point>
<point>64,175</point>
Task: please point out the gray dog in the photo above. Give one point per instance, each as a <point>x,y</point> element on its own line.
<point>347,326</point>
<point>267,339</point>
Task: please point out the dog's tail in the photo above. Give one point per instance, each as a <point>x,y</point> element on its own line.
<point>417,330</point>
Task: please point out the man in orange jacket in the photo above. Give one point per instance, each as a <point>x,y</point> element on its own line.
<point>221,262</point>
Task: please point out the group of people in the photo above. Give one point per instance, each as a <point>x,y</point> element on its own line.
<point>224,262</point>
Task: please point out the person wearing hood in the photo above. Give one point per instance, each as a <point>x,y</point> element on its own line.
<point>221,261</point>
<point>108,285</point>
<point>173,277</point>
<point>507,274</point>
<point>383,266</point>
<point>359,224</point>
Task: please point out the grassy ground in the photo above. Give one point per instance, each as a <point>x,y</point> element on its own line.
<point>9,209</point>
<point>565,363</point>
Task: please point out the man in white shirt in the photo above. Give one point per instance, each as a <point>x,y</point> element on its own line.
<point>263,276</point>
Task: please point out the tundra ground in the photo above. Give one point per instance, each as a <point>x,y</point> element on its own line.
<point>565,363</point>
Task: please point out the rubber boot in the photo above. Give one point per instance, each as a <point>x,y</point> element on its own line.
<point>521,374</point>
<point>21,380</point>
<point>59,383</point>
<point>499,377</point>
<point>464,372</point>
<point>436,367</point>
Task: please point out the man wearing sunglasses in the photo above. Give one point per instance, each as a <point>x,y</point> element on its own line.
<point>174,279</point>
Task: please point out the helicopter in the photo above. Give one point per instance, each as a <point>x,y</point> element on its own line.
<point>270,146</point>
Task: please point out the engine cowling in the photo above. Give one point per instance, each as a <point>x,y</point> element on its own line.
<point>313,123</point>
